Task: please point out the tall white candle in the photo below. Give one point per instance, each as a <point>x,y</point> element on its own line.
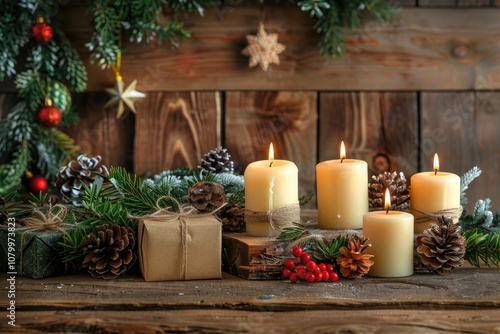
<point>342,190</point>
<point>390,234</point>
<point>431,192</point>
<point>269,184</point>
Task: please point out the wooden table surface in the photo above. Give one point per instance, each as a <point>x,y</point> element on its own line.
<point>467,301</point>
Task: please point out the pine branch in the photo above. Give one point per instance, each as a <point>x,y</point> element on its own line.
<point>465,181</point>
<point>29,84</point>
<point>16,128</point>
<point>12,173</point>
<point>70,67</point>
<point>482,247</point>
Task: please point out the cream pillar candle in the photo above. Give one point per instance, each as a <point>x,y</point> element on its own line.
<point>342,190</point>
<point>431,192</point>
<point>269,185</point>
<point>390,234</point>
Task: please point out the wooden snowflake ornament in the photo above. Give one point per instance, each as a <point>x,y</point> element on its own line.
<point>263,49</point>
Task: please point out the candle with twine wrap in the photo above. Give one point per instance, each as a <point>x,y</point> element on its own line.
<point>271,196</point>
<point>38,243</point>
<point>183,245</point>
<point>434,194</point>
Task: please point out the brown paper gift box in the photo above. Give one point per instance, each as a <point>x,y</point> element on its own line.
<point>162,256</point>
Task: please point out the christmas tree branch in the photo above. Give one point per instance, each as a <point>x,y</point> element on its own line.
<point>482,247</point>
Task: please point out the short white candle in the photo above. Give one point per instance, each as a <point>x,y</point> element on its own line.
<point>431,192</point>
<point>390,234</point>
<point>269,185</point>
<point>342,190</point>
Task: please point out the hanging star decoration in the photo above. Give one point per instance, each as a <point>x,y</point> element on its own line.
<point>263,49</point>
<point>122,96</point>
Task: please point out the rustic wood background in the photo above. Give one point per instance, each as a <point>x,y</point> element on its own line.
<point>426,83</point>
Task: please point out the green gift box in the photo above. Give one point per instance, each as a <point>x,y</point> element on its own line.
<point>36,252</point>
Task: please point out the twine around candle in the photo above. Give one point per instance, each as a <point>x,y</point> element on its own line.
<point>185,211</point>
<point>451,213</point>
<point>278,218</point>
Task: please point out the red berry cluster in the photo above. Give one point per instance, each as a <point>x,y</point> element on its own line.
<point>303,268</point>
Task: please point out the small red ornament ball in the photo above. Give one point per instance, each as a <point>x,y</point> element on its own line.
<point>42,32</point>
<point>38,183</point>
<point>49,116</point>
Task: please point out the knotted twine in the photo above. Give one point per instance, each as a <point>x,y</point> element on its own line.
<point>278,218</point>
<point>185,211</point>
<point>426,216</point>
<point>52,220</point>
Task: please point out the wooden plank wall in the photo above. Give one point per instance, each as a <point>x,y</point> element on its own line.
<point>426,83</point>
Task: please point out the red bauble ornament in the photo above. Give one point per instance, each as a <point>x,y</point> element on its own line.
<point>49,116</point>
<point>38,183</point>
<point>42,32</point>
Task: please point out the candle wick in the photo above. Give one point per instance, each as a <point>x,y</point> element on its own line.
<point>270,165</point>
<point>387,211</point>
<point>435,171</point>
<point>342,160</point>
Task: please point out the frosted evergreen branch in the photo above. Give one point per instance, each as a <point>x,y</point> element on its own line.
<point>465,181</point>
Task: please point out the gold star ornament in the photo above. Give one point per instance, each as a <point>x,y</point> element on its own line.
<point>122,96</point>
<point>263,49</point>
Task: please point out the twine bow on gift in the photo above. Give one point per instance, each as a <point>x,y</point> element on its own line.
<point>185,211</point>
<point>52,220</point>
<point>278,218</point>
<point>453,213</point>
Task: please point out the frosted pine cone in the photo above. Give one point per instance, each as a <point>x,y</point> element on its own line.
<point>83,170</point>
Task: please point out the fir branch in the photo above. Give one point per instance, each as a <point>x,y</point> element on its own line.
<point>294,232</point>
<point>189,5</point>
<point>16,128</point>
<point>465,181</point>
<point>12,172</point>
<point>328,251</point>
<point>70,67</point>
<point>482,248</point>
<point>305,199</point>
<point>73,243</point>
<point>29,84</point>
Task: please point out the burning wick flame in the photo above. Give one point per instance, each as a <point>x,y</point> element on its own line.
<point>436,163</point>
<point>387,203</point>
<point>271,154</point>
<point>342,152</point>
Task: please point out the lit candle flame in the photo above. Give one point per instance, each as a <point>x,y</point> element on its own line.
<point>342,151</point>
<point>436,163</point>
<point>271,154</point>
<point>387,203</point>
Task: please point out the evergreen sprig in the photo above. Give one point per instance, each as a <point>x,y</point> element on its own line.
<point>334,15</point>
<point>465,181</point>
<point>482,247</point>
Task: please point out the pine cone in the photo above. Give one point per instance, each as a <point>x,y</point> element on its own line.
<point>400,193</point>
<point>232,219</point>
<point>355,262</point>
<point>441,247</point>
<point>216,161</point>
<point>82,170</point>
<point>110,252</point>
<point>206,196</point>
